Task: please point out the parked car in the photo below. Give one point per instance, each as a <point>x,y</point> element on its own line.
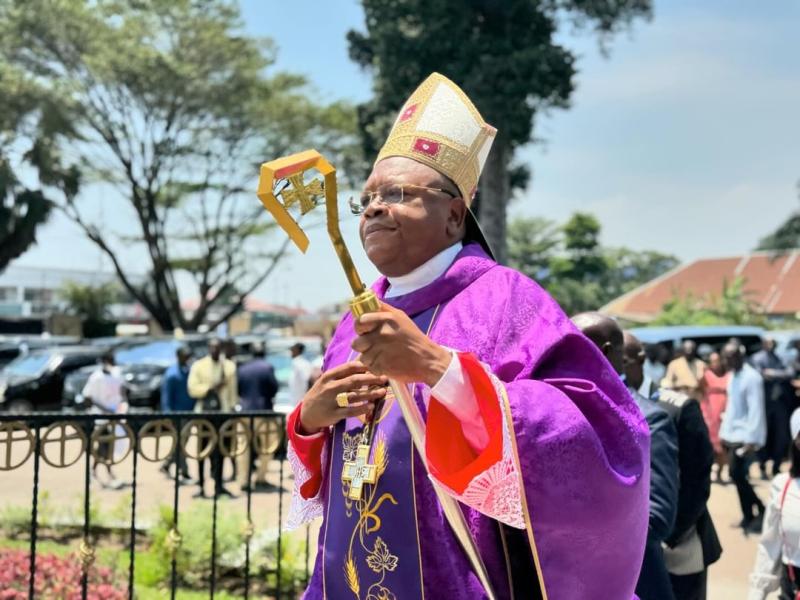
<point>35,381</point>
<point>13,346</point>
<point>711,335</point>
<point>142,366</point>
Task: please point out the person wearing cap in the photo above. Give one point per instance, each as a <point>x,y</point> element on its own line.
<point>777,565</point>
<point>527,425</point>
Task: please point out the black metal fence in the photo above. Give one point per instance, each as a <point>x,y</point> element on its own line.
<point>62,440</point>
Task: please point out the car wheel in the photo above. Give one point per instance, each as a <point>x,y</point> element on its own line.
<point>20,406</point>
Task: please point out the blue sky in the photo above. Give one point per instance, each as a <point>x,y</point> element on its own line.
<point>684,139</point>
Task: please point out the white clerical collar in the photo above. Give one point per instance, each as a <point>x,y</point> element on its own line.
<point>424,274</point>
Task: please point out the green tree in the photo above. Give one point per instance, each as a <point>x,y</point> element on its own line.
<point>532,243</point>
<point>570,262</point>
<point>583,258</point>
<point>175,107</point>
<point>628,269</point>
<point>30,125</point>
<point>22,211</point>
<point>92,303</point>
<point>786,236</point>
<point>503,53</point>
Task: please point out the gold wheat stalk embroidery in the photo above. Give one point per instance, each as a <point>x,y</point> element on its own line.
<point>380,454</point>
<point>351,575</point>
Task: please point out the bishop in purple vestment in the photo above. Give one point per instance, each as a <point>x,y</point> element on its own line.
<point>527,425</point>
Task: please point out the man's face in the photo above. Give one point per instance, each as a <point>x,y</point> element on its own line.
<point>689,348</point>
<point>633,361</point>
<point>732,358</point>
<point>183,357</point>
<point>769,345</point>
<point>214,349</point>
<point>400,237</point>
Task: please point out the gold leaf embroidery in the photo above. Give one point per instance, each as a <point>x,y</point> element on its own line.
<point>351,575</point>
<point>380,559</point>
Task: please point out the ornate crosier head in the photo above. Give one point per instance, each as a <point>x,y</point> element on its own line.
<point>287,186</point>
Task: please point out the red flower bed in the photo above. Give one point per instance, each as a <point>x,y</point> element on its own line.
<point>57,578</point>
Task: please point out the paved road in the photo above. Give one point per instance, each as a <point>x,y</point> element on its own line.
<point>727,578</point>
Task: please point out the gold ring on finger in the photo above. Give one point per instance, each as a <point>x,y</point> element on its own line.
<point>342,400</point>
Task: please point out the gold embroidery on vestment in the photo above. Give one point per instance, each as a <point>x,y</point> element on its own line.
<point>379,557</point>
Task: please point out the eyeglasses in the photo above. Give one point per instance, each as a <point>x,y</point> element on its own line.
<point>391,193</point>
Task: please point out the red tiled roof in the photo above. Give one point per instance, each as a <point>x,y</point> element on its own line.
<point>773,283</point>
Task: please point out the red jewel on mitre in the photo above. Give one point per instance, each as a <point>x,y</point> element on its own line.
<point>424,146</point>
<point>408,113</point>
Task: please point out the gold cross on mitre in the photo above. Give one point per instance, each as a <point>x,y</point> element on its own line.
<point>304,194</point>
<point>358,472</point>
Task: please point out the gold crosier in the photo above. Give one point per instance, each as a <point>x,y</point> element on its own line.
<point>285,178</point>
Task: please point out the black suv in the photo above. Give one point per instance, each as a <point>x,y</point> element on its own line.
<point>35,381</point>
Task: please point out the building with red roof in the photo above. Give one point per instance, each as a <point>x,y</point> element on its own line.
<point>770,282</point>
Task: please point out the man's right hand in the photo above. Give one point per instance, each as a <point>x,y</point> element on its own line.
<point>319,408</point>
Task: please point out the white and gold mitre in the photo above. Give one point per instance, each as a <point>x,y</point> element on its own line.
<point>440,127</point>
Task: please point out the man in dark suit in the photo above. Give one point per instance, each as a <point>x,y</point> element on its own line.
<point>693,544</point>
<point>257,388</point>
<point>654,582</point>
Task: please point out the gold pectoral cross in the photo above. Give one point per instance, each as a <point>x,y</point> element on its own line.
<point>358,472</point>
<point>305,195</point>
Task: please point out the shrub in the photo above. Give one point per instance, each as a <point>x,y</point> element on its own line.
<point>58,578</point>
<point>194,554</point>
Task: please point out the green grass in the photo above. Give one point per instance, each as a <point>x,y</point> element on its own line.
<point>155,593</point>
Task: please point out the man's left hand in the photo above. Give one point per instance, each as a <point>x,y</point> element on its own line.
<point>391,344</point>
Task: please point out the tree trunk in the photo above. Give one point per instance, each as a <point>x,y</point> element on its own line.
<point>495,190</point>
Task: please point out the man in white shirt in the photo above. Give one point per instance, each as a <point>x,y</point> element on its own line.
<point>743,430</point>
<point>105,391</point>
<point>301,373</point>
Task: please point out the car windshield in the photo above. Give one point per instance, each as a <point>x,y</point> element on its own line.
<point>29,366</point>
<point>153,353</point>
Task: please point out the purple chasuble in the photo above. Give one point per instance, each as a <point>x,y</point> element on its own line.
<point>582,443</point>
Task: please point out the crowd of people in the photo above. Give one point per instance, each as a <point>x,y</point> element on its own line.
<point>214,382</point>
<point>723,409</point>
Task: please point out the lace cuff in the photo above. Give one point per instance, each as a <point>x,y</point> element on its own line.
<point>301,510</point>
<point>495,492</point>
